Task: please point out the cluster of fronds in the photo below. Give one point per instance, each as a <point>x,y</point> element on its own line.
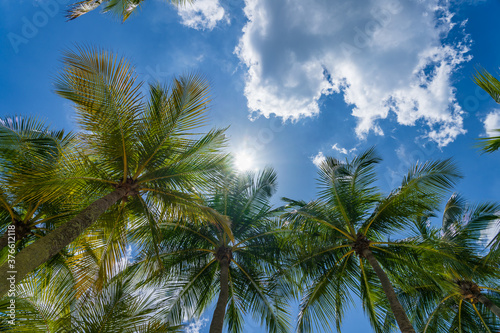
<point>152,259</point>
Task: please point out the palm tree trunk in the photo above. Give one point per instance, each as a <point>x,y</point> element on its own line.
<point>489,304</point>
<point>21,231</point>
<point>397,309</point>
<point>46,247</point>
<point>220,309</point>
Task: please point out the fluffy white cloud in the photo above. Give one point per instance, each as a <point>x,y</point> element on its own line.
<point>384,56</point>
<point>492,123</point>
<point>202,14</point>
<point>318,159</point>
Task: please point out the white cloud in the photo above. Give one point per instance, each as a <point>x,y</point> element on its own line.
<point>202,14</point>
<point>492,123</point>
<point>318,159</point>
<point>196,326</point>
<point>343,150</point>
<point>383,56</point>
<point>339,149</point>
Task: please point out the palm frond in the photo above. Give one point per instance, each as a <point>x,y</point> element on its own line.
<point>120,8</point>
<point>491,85</point>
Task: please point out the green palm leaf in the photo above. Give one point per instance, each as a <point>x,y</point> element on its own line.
<point>132,159</point>
<point>188,252</point>
<point>343,246</point>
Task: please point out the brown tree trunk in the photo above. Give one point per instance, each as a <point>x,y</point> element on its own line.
<point>397,309</point>
<point>489,304</point>
<point>220,309</point>
<point>21,231</point>
<point>46,247</point>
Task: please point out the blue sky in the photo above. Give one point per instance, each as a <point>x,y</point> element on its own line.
<point>295,80</point>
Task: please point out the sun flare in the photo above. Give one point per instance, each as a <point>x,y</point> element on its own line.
<point>244,161</point>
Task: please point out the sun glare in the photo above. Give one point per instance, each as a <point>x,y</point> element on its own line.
<point>244,161</point>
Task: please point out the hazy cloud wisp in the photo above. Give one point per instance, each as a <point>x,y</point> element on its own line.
<point>202,14</point>
<point>196,326</point>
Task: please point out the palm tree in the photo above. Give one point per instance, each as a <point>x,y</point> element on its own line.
<point>492,86</point>
<point>346,232</point>
<point>123,8</point>
<point>28,144</point>
<point>456,298</point>
<point>200,261</point>
<point>48,301</point>
<point>137,155</point>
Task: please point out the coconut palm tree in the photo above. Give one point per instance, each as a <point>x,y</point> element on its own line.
<point>123,8</point>
<point>346,231</point>
<point>28,144</point>
<point>130,153</point>
<point>491,85</point>
<point>201,262</point>
<point>450,297</point>
<point>48,301</point>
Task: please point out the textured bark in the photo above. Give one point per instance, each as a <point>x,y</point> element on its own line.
<point>21,231</point>
<point>220,309</point>
<point>489,304</point>
<point>397,309</point>
<point>46,247</point>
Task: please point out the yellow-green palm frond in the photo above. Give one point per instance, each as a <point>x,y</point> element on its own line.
<point>144,155</point>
